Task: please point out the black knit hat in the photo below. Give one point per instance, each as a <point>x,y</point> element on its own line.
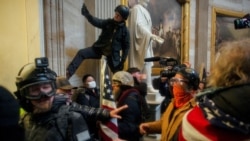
<point>9,108</point>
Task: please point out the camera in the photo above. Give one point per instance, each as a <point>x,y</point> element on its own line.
<point>168,61</point>
<point>41,62</point>
<point>169,65</point>
<point>242,22</point>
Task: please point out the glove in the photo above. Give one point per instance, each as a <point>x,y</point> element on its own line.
<point>84,10</point>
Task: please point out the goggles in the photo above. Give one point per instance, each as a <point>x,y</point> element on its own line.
<point>37,94</point>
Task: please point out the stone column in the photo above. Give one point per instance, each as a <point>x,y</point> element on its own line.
<point>54,34</point>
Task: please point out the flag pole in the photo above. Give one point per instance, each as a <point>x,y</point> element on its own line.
<point>108,130</point>
<point>102,75</point>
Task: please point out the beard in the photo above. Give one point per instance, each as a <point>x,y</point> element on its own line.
<point>116,94</point>
<point>43,105</point>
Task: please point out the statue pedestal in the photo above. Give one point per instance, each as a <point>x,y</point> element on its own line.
<point>154,100</point>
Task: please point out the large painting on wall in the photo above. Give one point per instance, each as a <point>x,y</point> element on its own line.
<point>223,28</point>
<point>166,20</point>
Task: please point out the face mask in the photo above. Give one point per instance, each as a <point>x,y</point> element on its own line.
<point>92,84</point>
<point>181,97</point>
<point>179,91</point>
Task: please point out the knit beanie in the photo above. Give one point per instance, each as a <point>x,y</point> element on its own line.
<point>9,108</point>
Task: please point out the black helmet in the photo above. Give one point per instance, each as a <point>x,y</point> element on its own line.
<point>33,74</point>
<point>123,11</point>
<point>191,75</point>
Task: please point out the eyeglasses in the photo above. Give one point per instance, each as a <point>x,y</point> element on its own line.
<point>177,81</point>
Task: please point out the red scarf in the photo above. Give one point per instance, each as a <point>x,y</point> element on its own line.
<point>181,97</point>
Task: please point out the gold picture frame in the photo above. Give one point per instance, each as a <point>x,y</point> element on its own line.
<point>223,28</point>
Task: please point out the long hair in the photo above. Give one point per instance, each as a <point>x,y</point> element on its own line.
<point>232,65</point>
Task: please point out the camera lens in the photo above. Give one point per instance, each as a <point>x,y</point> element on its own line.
<point>241,23</point>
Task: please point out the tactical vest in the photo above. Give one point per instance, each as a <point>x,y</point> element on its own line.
<point>64,125</point>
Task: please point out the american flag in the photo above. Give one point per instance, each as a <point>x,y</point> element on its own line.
<point>109,130</point>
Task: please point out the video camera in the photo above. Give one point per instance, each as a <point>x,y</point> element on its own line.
<point>41,65</point>
<point>169,65</point>
<point>242,22</point>
<point>41,62</point>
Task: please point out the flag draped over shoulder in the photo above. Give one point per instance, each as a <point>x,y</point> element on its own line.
<point>109,130</point>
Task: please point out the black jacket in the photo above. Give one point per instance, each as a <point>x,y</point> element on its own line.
<point>59,124</point>
<point>89,98</point>
<point>63,122</point>
<point>113,33</point>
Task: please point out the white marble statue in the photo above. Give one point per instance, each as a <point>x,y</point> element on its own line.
<point>141,37</point>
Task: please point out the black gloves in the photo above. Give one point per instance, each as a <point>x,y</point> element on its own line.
<point>84,10</point>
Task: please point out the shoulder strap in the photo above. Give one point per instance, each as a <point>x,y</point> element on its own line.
<point>62,123</point>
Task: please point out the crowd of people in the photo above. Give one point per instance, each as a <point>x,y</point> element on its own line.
<point>214,109</point>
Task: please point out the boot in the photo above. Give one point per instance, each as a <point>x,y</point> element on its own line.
<point>148,72</point>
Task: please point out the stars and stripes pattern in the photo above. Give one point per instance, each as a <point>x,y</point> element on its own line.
<point>109,130</point>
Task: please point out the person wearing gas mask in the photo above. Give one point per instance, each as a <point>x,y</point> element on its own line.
<point>113,41</point>
<point>48,117</point>
<point>183,86</point>
<point>89,95</point>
